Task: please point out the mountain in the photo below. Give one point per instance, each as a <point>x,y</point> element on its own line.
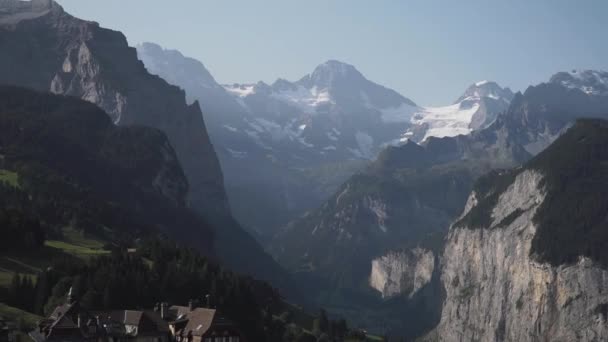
<point>47,49</point>
<point>360,243</point>
<point>271,191</point>
<point>336,113</point>
<point>527,259</point>
<point>300,140</point>
<point>77,170</point>
<point>100,210</point>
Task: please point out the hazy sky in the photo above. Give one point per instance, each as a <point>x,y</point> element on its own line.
<point>427,50</point>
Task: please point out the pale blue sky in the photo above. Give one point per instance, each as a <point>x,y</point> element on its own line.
<point>428,50</point>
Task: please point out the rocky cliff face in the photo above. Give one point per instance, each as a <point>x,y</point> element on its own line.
<point>47,49</point>
<point>402,272</point>
<point>495,291</point>
<point>511,271</point>
<point>69,56</point>
<point>420,189</point>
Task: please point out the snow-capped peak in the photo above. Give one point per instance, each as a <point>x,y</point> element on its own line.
<point>331,74</point>
<point>335,68</point>
<point>486,89</point>
<point>592,82</point>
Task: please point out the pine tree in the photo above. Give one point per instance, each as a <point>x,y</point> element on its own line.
<point>14,291</point>
<point>107,298</point>
<point>42,293</point>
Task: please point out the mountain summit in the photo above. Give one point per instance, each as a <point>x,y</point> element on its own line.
<point>486,89</point>
<point>330,74</point>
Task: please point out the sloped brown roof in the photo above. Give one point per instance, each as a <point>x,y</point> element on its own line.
<point>177,311</point>
<point>60,311</point>
<point>132,317</point>
<point>199,319</point>
<point>147,320</point>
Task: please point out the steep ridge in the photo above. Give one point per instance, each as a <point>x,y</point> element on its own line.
<point>413,191</point>
<point>57,52</point>
<point>526,261</point>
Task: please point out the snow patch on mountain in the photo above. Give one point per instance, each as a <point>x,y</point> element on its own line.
<point>591,82</point>
<point>337,106</point>
<point>446,121</point>
<point>240,90</point>
<point>230,128</point>
<point>304,99</point>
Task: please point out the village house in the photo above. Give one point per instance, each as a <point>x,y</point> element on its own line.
<point>72,322</point>
<point>68,322</point>
<point>194,324</point>
<point>134,325</point>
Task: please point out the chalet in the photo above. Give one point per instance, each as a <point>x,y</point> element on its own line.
<point>134,325</point>
<point>192,324</point>
<point>68,322</point>
<point>71,322</point>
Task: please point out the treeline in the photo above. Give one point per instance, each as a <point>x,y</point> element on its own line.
<point>572,219</point>
<point>162,271</point>
<point>158,271</point>
<point>18,223</point>
<point>76,167</point>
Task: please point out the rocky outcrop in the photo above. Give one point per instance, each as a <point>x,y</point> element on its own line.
<point>496,290</point>
<point>402,272</point>
<point>13,11</point>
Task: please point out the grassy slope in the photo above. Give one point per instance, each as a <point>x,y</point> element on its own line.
<point>9,177</point>
<point>72,244</point>
<point>29,319</point>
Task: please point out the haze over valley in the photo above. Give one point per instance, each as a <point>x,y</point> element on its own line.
<point>144,197</point>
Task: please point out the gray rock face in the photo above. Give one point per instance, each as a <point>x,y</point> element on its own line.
<point>496,292</point>
<point>402,272</point>
<point>13,11</point>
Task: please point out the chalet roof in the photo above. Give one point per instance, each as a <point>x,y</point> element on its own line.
<point>145,320</point>
<point>177,311</point>
<point>199,319</point>
<point>60,311</point>
<point>132,317</point>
